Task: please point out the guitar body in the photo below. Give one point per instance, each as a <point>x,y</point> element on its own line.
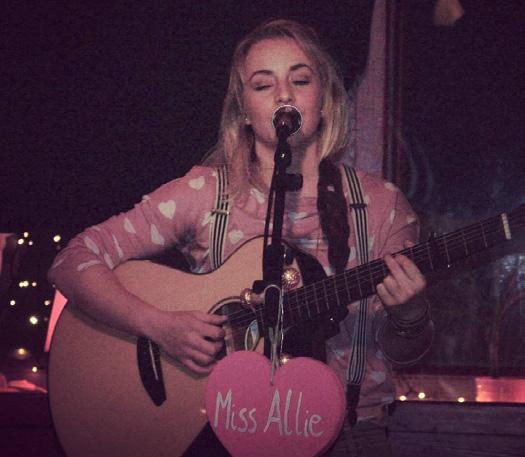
<point>98,403</point>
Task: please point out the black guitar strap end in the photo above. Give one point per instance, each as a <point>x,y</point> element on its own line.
<point>352,399</point>
<point>150,369</point>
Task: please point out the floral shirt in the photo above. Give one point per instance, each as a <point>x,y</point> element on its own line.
<point>178,215</point>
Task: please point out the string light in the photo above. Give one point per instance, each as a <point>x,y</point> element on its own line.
<point>35,319</point>
<point>421,395</point>
<point>21,353</point>
<point>461,399</point>
<point>403,397</point>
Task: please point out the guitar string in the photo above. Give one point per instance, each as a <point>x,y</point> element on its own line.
<point>307,296</point>
<point>375,270</point>
<point>439,246</point>
<point>490,227</point>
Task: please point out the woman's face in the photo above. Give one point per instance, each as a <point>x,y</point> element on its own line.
<point>277,72</point>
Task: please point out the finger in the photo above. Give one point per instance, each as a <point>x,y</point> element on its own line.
<point>398,293</point>
<point>213,319</point>
<point>204,346</point>
<point>409,268</point>
<point>200,358</point>
<point>385,296</point>
<point>209,331</point>
<point>394,289</point>
<point>396,270</point>
<point>195,367</point>
<point>411,281</point>
<point>217,346</point>
<point>215,333</point>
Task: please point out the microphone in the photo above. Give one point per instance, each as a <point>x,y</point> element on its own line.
<point>287,121</point>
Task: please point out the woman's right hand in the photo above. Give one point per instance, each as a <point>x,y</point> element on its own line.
<point>192,337</point>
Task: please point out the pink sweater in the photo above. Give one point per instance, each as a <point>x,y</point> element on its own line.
<point>178,213</point>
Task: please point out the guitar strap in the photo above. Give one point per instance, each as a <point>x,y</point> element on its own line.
<point>357,363</point>
<point>219,219</point>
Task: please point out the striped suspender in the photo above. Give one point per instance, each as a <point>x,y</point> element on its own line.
<point>356,368</point>
<point>219,219</point>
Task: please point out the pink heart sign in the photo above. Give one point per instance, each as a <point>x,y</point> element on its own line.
<point>300,415</point>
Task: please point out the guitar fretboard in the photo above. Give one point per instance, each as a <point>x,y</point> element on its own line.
<point>440,252</point>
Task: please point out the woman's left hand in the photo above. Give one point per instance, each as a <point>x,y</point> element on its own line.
<point>404,282</point>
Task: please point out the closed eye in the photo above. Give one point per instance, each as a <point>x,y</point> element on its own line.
<point>262,87</point>
<point>301,82</point>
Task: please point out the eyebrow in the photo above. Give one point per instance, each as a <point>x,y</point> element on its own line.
<point>295,67</point>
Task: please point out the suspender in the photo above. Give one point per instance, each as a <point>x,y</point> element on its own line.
<point>356,369</point>
<point>357,363</point>
<point>219,219</point>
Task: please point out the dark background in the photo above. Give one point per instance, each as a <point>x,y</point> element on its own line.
<point>104,101</point>
<point>463,117</point>
<point>463,108</point>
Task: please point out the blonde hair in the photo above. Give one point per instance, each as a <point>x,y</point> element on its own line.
<point>235,145</point>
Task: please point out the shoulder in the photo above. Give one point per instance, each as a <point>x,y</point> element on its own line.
<point>198,177</point>
<point>198,181</point>
<point>188,195</point>
<point>378,186</point>
<point>372,186</point>
<point>385,200</point>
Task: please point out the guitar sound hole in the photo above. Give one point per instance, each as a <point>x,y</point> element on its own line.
<point>242,332</point>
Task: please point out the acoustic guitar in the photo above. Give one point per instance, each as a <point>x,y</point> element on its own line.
<point>112,394</point>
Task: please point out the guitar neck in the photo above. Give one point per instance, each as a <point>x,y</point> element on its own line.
<point>440,252</point>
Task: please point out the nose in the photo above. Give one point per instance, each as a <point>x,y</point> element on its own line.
<point>284,93</point>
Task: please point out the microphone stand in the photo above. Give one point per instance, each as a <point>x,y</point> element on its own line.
<point>273,255</point>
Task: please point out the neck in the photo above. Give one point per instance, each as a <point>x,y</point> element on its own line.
<point>305,161</point>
